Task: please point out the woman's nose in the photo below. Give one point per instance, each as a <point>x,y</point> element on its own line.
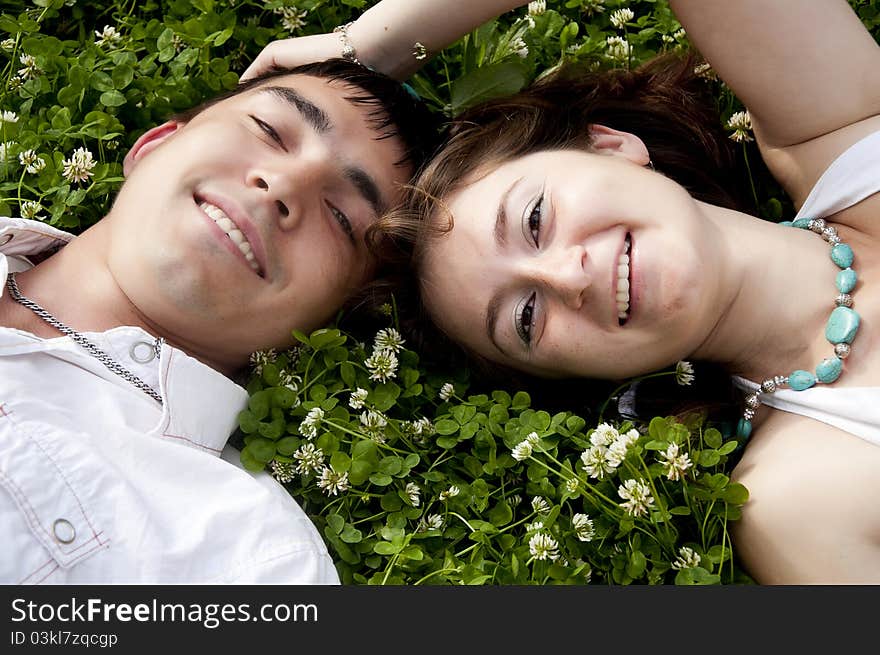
<point>565,271</point>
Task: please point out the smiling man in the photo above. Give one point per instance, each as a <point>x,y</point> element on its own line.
<point>238,222</point>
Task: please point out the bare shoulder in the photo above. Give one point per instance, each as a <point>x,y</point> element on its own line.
<point>812,515</point>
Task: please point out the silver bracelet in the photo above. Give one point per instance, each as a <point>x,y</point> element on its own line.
<point>348,51</point>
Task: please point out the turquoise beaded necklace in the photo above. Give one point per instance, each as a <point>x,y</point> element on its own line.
<point>840,330</point>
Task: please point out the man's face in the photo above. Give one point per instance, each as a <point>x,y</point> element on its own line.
<point>248,221</point>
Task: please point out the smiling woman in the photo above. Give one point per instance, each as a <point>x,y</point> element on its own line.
<point>597,212</point>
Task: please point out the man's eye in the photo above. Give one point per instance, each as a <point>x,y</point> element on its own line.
<point>268,130</point>
<point>342,219</point>
<point>525,320</point>
<point>534,217</point>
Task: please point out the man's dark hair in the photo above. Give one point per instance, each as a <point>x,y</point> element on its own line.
<point>392,109</point>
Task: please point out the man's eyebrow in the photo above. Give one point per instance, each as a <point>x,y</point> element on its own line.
<point>314,115</point>
<point>367,187</point>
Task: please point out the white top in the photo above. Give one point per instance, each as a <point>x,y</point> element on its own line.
<point>851,178</point>
<point>100,484</point>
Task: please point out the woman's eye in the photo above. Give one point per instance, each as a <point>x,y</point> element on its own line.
<point>342,219</point>
<point>525,320</point>
<point>534,218</point>
<point>268,130</point>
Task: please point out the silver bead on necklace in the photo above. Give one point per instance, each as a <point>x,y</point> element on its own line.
<point>87,345</point>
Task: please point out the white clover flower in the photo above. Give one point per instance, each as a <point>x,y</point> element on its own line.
<point>107,36</point>
<point>520,48</point>
<point>308,458</point>
<point>32,163</point>
<point>684,373</point>
<point>537,526</point>
<point>679,34</point>
<point>687,558</point>
<point>6,149</point>
<point>446,391</point>
<point>572,485</point>
<point>79,167</point>
<point>617,451</point>
<point>590,7</point>
<point>621,17</point>
<point>309,427</point>
<point>423,427</point>
<point>8,117</point>
<point>705,71</point>
<point>452,492</point>
<point>14,83</point>
<point>290,381</point>
<point>388,339</point>
<point>583,527</point>
<point>540,505</point>
<point>292,19</point>
<point>533,438</point>
<point>741,124</point>
<point>332,482</point>
<point>282,471</point>
<point>537,7</point>
<point>674,462</point>
<point>260,358</point>
<point>385,309</point>
<point>358,396</point>
<point>617,48</point>
<point>412,492</point>
<point>603,435</point>
<point>637,497</point>
<point>30,209</point>
<point>434,521</point>
<point>382,365</point>
<point>522,450</point>
<point>31,70</point>
<point>373,421</point>
<point>7,44</point>
<point>596,462</point>
<point>542,546</point>
<point>667,38</point>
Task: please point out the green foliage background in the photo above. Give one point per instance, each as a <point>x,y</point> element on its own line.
<point>392,518</point>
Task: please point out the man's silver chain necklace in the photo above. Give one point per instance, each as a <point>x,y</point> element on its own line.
<point>87,345</point>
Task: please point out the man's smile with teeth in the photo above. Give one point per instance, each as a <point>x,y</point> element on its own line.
<point>236,235</point>
<point>623,283</point>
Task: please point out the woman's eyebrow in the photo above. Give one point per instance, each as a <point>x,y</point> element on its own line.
<point>312,113</point>
<point>500,229</point>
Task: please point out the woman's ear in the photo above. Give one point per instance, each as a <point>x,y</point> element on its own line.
<point>608,141</point>
<point>147,142</point>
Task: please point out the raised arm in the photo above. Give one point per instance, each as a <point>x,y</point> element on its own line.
<point>803,69</point>
<point>384,36</point>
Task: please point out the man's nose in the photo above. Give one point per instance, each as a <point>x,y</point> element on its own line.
<point>564,269</point>
<point>292,187</point>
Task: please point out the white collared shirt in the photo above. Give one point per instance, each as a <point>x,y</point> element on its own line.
<point>99,483</point>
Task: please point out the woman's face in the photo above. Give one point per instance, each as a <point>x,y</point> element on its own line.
<point>572,263</point>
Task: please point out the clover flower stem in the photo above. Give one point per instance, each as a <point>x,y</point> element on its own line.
<point>440,461</point>
<point>657,497</point>
<point>587,484</point>
<point>749,172</point>
<point>390,567</point>
<point>433,573</point>
<point>463,520</point>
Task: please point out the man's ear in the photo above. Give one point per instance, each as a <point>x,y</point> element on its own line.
<point>147,142</point>
<point>607,141</point>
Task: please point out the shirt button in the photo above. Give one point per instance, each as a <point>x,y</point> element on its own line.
<point>63,530</point>
<point>6,238</point>
<point>142,352</point>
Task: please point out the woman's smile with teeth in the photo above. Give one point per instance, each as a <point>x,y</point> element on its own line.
<point>236,235</point>
<point>623,283</point>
